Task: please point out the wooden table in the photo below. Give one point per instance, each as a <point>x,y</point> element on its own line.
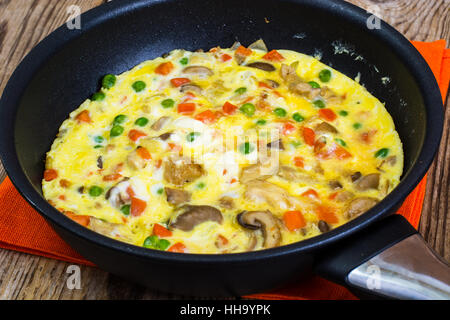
<point>23,23</point>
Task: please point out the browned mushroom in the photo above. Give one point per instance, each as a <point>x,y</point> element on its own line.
<point>181,171</point>
<point>288,74</point>
<point>160,123</point>
<point>109,229</point>
<point>323,226</point>
<point>324,127</point>
<point>370,181</point>
<point>198,70</point>
<point>275,196</point>
<point>264,221</point>
<point>258,171</point>
<point>277,144</point>
<point>100,162</point>
<point>335,185</point>
<point>355,176</point>
<point>165,136</point>
<point>344,196</point>
<point>118,195</point>
<point>226,202</point>
<point>189,216</point>
<point>292,174</point>
<point>177,196</point>
<point>262,66</point>
<point>272,83</point>
<point>358,206</point>
<point>191,87</point>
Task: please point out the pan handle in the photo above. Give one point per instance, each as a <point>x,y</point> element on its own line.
<point>387,260</point>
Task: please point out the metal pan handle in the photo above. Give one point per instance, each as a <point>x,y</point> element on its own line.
<point>387,260</point>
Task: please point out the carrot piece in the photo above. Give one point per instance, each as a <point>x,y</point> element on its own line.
<point>229,108</point>
<point>80,219</point>
<point>273,55</point>
<point>264,85</point>
<point>178,247</point>
<point>294,220</point>
<point>160,231</point>
<point>327,114</point>
<point>221,240</point>
<point>225,57</point>
<point>64,183</point>
<point>333,195</point>
<point>143,153</point>
<point>326,214</point>
<point>309,136</point>
<point>112,177</point>
<point>84,116</point>
<point>206,117</point>
<point>311,193</point>
<point>243,51</point>
<point>50,174</point>
<point>341,153</point>
<point>178,82</point>
<point>164,68</point>
<point>130,192</point>
<point>135,135</point>
<point>188,96</point>
<point>137,206</point>
<point>288,128</point>
<point>186,108</point>
<point>298,162</point>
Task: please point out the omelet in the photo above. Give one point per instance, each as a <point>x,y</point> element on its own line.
<point>224,151</point>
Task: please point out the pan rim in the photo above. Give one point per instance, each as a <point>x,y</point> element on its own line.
<point>58,38</point>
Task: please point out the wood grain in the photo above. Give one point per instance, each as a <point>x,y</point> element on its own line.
<point>23,23</point>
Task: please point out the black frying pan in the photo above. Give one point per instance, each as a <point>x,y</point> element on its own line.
<point>65,68</point>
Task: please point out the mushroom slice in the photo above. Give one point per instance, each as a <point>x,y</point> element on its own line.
<point>262,66</point>
<point>266,222</point>
<point>288,74</point>
<point>259,171</point>
<point>189,216</point>
<point>370,181</point>
<point>226,202</point>
<point>323,226</point>
<point>324,127</point>
<point>198,70</point>
<point>180,171</point>
<point>344,196</point>
<point>358,206</point>
<point>165,136</point>
<point>118,195</point>
<point>190,87</point>
<point>272,83</point>
<point>292,174</point>
<point>259,45</point>
<point>161,123</point>
<point>277,144</point>
<point>177,196</point>
<point>273,195</point>
<point>334,184</point>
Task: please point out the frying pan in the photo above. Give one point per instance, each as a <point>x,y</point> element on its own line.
<point>376,254</point>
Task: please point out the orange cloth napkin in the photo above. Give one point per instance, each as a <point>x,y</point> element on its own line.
<point>23,229</point>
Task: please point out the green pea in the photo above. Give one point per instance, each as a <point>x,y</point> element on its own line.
<point>168,103</point>
<point>296,144</point>
<point>382,153</point>
<point>201,185</point>
<point>184,61</point>
<point>119,119</point>
<point>298,117</point>
<point>98,96</point>
<point>261,122</point>
<point>138,86</point>
<point>141,122</point>
<point>99,139</point>
<point>125,209</point>
<point>319,104</point>
<point>95,191</point>
<point>343,113</point>
<point>98,146</point>
<point>246,148</point>
<point>163,244</point>
<point>192,136</point>
<point>280,112</point>
<point>357,125</point>
<point>314,84</point>
<point>160,191</point>
<point>116,131</point>
<point>248,109</point>
<point>241,90</point>
<point>325,75</point>
<point>151,242</point>
<point>109,81</point>
<point>341,142</point>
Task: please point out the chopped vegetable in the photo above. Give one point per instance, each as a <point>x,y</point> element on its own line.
<point>207,117</point>
<point>135,135</point>
<point>141,122</point>
<point>299,162</point>
<point>178,247</point>
<point>186,108</point>
<point>326,214</point>
<point>357,125</point>
<point>309,136</point>
<point>95,191</point>
<point>327,114</point>
<point>178,82</point>
<point>50,174</point>
<point>125,209</point>
<point>109,81</point>
<point>184,61</point>
<point>143,153</point>
<point>151,242</point>
<point>294,220</point>
<point>243,51</point>
<point>119,119</point>
<point>248,109</point>
<point>280,112</point>
<point>246,148</point>
<point>137,206</point>
<point>164,68</point>
<point>311,193</point>
<point>192,136</point>
<point>325,75</point>
<point>99,139</point>
<point>314,84</point>
<point>261,122</point>
<point>225,57</point>
<point>229,108</point>
<point>288,128</point>
<point>116,131</point>
<point>84,116</point>
<point>160,231</point>
<point>138,86</point>
<point>168,103</point>
<point>98,96</point>
<point>241,90</point>
<point>163,244</point>
<point>343,113</point>
<point>80,219</point>
<point>341,142</point>
<point>382,153</point>
<point>298,117</point>
<point>273,55</point>
<point>319,103</point>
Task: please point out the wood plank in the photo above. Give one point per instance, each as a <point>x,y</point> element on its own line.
<point>25,276</point>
